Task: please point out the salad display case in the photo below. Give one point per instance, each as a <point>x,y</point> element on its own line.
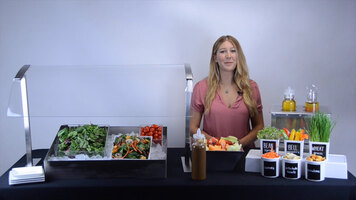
<point>102,165</point>
<point>298,119</point>
<point>123,98</point>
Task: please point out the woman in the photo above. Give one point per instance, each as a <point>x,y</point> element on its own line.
<point>227,98</point>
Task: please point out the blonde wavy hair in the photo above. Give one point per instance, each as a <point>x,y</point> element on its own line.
<point>241,76</point>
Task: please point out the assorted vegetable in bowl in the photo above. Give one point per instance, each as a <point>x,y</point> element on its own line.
<point>316,158</point>
<point>131,147</point>
<point>299,135</point>
<point>272,154</point>
<point>230,143</point>
<point>291,156</point>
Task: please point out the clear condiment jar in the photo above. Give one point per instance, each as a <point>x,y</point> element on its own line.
<point>289,103</point>
<point>312,104</point>
<point>198,157</point>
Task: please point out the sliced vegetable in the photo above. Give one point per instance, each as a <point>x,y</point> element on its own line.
<point>234,147</point>
<point>285,135</point>
<point>303,135</point>
<point>292,134</point>
<point>286,131</point>
<point>223,144</point>
<point>299,135</point>
<point>232,139</point>
<point>291,156</point>
<point>131,147</point>
<point>215,148</point>
<point>271,154</point>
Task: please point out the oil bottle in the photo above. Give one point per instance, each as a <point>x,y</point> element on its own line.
<point>289,104</point>
<point>312,104</point>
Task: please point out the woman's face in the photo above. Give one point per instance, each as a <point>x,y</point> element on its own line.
<point>226,56</point>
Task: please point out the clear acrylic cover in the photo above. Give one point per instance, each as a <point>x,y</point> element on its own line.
<point>127,95</point>
<point>102,91</point>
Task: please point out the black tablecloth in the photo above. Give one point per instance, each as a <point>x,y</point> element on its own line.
<point>218,185</point>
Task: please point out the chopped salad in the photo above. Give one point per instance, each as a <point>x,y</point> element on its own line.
<point>131,147</point>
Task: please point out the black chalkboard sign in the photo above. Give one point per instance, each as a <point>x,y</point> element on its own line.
<point>291,170</point>
<point>270,168</point>
<point>268,145</point>
<point>314,172</point>
<point>294,147</point>
<point>319,149</point>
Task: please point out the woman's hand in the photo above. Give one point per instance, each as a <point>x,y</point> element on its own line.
<point>257,124</point>
<point>195,123</point>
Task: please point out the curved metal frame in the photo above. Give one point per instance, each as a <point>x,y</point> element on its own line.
<point>188,97</point>
<point>21,77</point>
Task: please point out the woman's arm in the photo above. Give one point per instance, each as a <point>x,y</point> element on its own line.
<point>257,124</point>
<point>195,123</point>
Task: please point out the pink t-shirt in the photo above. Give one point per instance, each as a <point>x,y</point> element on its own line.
<point>223,121</point>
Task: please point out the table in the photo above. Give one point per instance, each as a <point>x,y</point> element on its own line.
<point>178,185</point>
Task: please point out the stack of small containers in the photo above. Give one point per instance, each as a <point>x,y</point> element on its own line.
<point>292,158</point>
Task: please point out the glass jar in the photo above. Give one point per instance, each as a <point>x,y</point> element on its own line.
<point>289,104</point>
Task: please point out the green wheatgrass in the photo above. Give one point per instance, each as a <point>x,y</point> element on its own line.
<point>320,127</point>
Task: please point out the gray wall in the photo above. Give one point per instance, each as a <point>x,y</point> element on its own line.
<point>287,43</point>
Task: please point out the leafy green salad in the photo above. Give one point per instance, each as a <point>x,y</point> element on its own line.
<point>269,132</point>
<point>87,138</point>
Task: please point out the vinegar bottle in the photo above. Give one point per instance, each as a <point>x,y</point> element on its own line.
<point>289,103</point>
<point>198,157</point>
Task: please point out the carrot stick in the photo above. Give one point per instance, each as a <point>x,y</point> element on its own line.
<point>133,147</point>
<point>127,153</point>
<point>135,144</point>
<point>271,154</point>
<point>138,148</point>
